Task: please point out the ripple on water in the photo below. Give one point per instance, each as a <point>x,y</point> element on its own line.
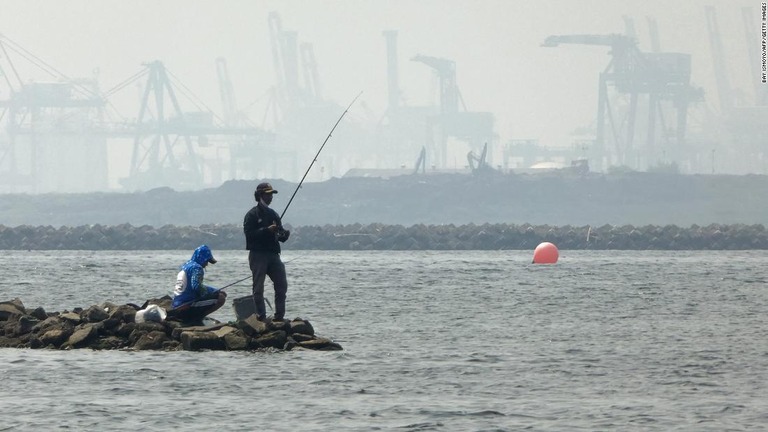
<point>433,341</point>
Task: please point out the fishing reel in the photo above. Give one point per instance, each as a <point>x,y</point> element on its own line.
<point>283,234</point>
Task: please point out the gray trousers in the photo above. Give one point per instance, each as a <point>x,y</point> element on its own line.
<point>265,264</point>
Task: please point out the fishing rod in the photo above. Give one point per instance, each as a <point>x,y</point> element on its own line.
<point>235,282</point>
<point>318,154</point>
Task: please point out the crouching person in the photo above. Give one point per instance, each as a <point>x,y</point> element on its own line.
<point>193,300</point>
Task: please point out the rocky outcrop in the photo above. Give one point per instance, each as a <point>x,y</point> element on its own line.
<point>393,237</point>
<point>109,326</point>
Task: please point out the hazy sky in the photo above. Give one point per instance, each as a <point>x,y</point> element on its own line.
<point>535,92</point>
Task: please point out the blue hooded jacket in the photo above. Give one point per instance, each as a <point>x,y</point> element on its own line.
<point>189,282</point>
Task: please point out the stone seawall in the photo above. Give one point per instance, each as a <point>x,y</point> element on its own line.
<point>109,326</point>
<point>391,237</point>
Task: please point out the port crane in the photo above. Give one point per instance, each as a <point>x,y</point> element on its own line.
<point>742,112</point>
<point>659,76</point>
<point>471,127</point>
<point>167,139</point>
<point>49,123</point>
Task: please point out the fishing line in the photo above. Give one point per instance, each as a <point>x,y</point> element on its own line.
<point>235,282</point>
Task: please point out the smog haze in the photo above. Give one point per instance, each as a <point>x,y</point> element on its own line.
<point>546,95</point>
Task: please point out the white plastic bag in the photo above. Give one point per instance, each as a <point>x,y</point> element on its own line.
<point>151,313</point>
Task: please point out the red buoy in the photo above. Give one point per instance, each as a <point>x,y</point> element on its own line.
<point>545,253</point>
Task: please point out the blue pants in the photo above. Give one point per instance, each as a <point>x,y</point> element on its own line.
<point>197,310</point>
<point>265,264</point>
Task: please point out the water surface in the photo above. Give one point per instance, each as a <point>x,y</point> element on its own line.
<point>458,341</point>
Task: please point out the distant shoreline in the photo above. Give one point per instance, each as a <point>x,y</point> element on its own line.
<point>554,199</point>
<point>392,237</point>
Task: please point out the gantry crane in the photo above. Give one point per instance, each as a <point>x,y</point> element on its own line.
<point>227,92</point>
<point>446,72</point>
<point>301,110</point>
<point>742,113</point>
<point>472,127</point>
<point>160,161</point>
<point>653,32</point>
<point>750,32</point>
<point>724,92</point>
<point>49,145</point>
<point>285,62</point>
<point>167,139</point>
<point>660,76</point>
<point>312,84</point>
<point>393,78</point>
<point>290,60</point>
<point>401,129</point>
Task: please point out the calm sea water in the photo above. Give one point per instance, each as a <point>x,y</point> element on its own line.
<point>454,341</point>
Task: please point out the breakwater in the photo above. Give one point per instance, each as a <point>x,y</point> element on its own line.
<point>391,237</point>
<point>110,326</point>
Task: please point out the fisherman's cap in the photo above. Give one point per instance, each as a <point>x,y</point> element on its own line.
<point>265,188</point>
<point>206,254</point>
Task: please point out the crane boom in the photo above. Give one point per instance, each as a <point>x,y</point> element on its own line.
<point>612,40</point>
<point>446,71</point>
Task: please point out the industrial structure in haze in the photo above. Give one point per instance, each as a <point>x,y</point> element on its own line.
<point>167,140</point>
<point>437,128</point>
<point>644,100</point>
<point>51,139</point>
<point>58,135</point>
<point>661,80</point>
<point>742,128</point>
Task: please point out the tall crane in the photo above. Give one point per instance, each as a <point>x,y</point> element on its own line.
<point>750,22</point>
<point>660,76</point>
<point>745,130</point>
<point>227,92</point>
<point>724,92</point>
<point>653,31</point>
<point>472,127</point>
<point>168,140</point>
<point>400,130</point>
<point>393,85</point>
<point>285,60</point>
<point>157,158</point>
<point>311,76</point>
<point>49,144</point>
<point>629,26</point>
<point>446,72</point>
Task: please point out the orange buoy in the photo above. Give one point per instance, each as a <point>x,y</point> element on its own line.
<point>545,253</point>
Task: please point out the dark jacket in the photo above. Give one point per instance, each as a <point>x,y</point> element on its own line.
<point>257,236</point>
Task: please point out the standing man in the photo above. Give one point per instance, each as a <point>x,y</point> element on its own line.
<point>263,234</point>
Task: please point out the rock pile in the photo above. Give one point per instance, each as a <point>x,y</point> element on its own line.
<point>110,326</point>
<point>392,237</point>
